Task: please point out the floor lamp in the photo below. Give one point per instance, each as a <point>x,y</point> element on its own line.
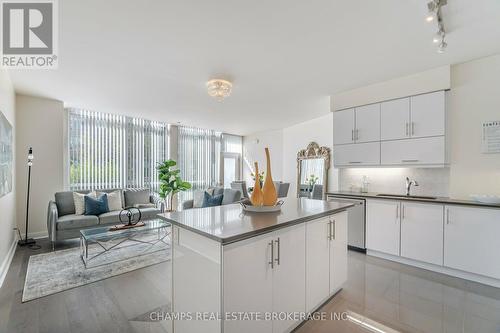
<point>26,240</point>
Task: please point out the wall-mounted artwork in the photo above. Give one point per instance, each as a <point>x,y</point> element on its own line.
<point>5,156</point>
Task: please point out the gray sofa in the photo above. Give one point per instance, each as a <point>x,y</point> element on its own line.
<point>62,223</point>
<point>229,196</point>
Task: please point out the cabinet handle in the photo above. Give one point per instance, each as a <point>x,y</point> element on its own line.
<point>332,230</point>
<point>279,252</point>
<point>352,135</point>
<point>354,162</point>
<point>397,212</point>
<point>447,216</point>
<point>329,230</point>
<point>406,129</point>
<point>272,255</point>
<point>357,134</point>
<point>412,128</point>
<point>404,212</point>
<point>409,161</point>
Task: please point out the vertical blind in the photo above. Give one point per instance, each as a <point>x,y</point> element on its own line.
<point>199,162</point>
<point>114,151</point>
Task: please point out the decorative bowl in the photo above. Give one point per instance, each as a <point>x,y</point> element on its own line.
<point>488,199</point>
<point>248,207</point>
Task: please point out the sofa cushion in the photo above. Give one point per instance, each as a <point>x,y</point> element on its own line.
<point>64,202</point>
<point>136,196</point>
<point>218,191</point>
<point>230,196</point>
<point>111,217</point>
<point>149,213</point>
<point>211,200</point>
<point>96,205</point>
<point>73,221</point>
<point>114,200</point>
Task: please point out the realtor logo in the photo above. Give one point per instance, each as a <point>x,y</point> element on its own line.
<point>29,34</point>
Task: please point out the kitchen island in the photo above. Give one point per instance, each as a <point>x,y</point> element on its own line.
<point>234,271</point>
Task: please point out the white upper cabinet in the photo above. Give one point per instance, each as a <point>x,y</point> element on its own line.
<point>363,154</point>
<point>394,119</point>
<point>423,151</point>
<point>367,123</point>
<point>427,115</point>
<point>343,127</point>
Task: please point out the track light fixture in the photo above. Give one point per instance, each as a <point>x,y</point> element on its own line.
<point>435,14</point>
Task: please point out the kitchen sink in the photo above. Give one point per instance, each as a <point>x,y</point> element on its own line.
<point>406,196</point>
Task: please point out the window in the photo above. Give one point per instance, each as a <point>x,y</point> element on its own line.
<point>200,157</point>
<point>114,151</point>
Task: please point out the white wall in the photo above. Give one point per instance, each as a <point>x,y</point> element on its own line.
<point>474,98</point>
<point>7,202</point>
<point>253,151</point>
<point>297,137</point>
<point>40,124</point>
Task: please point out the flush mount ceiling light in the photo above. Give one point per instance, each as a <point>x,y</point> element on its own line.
<point>219,89</point>
<point>435,14</point>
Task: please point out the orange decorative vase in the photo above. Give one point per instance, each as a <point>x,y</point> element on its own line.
<point>269,191</point>
<point>257,196</point>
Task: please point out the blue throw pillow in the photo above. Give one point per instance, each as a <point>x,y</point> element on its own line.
<point>96,206</point>
<point>211,200</point>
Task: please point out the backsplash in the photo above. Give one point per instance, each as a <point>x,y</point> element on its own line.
<point>392,180</point>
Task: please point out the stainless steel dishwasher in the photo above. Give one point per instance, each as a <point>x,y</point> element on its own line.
<point>356,221</point>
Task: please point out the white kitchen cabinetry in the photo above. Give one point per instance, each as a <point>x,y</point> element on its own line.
<point>326,258</point>
<point>343,126</point>
<point>363,154</point>
<point>422,232</point>
<point>367,123</point>
<point>427,115</point>
<point>338,252</point>
<point>412,132</point>
<point>383,226</point>
<point>394,119</point>
<point>272,271</point>
<point>471,240</point>
<point>424,151</point>
<point>358,125</point>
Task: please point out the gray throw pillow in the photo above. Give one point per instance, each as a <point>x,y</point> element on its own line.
<point>136,197</point>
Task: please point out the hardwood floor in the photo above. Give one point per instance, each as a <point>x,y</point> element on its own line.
<point>119,304</point>
<point>398,297</point>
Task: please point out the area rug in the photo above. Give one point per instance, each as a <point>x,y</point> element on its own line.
<point>53,272</point>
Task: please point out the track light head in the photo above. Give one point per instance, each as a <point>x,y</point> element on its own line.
<point>442,47</point>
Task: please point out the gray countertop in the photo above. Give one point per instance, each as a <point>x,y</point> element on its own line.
<point>229,224</point>
<point>439,200</point>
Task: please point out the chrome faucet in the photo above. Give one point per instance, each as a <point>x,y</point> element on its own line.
<point>409,184</point>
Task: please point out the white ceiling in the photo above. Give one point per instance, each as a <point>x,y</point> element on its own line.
<point>285,57</point>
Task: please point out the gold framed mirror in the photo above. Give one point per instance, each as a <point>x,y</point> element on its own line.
<point>312,171</point>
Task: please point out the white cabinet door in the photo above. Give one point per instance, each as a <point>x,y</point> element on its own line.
<point>343,127</point>
<point>422,232</point>
<point>289,275</point>
<point>367,123</point>
<point>427,115</point>
<point>471,240</point>
<point>383,226</point>
<point>424,151</point>
<point>248,283</point>
<point>357,154</point>
<point>338,252</point>
<point>317,263</point>
<point>395,119</point>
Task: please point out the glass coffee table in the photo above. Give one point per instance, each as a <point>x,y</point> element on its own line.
<point>99,246</point>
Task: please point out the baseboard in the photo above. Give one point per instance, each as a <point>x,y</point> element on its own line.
<point>438,269</point>
<point>4,268</point>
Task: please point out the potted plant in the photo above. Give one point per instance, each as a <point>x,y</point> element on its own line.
<point>311,181</point>
<point>170,182</point>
